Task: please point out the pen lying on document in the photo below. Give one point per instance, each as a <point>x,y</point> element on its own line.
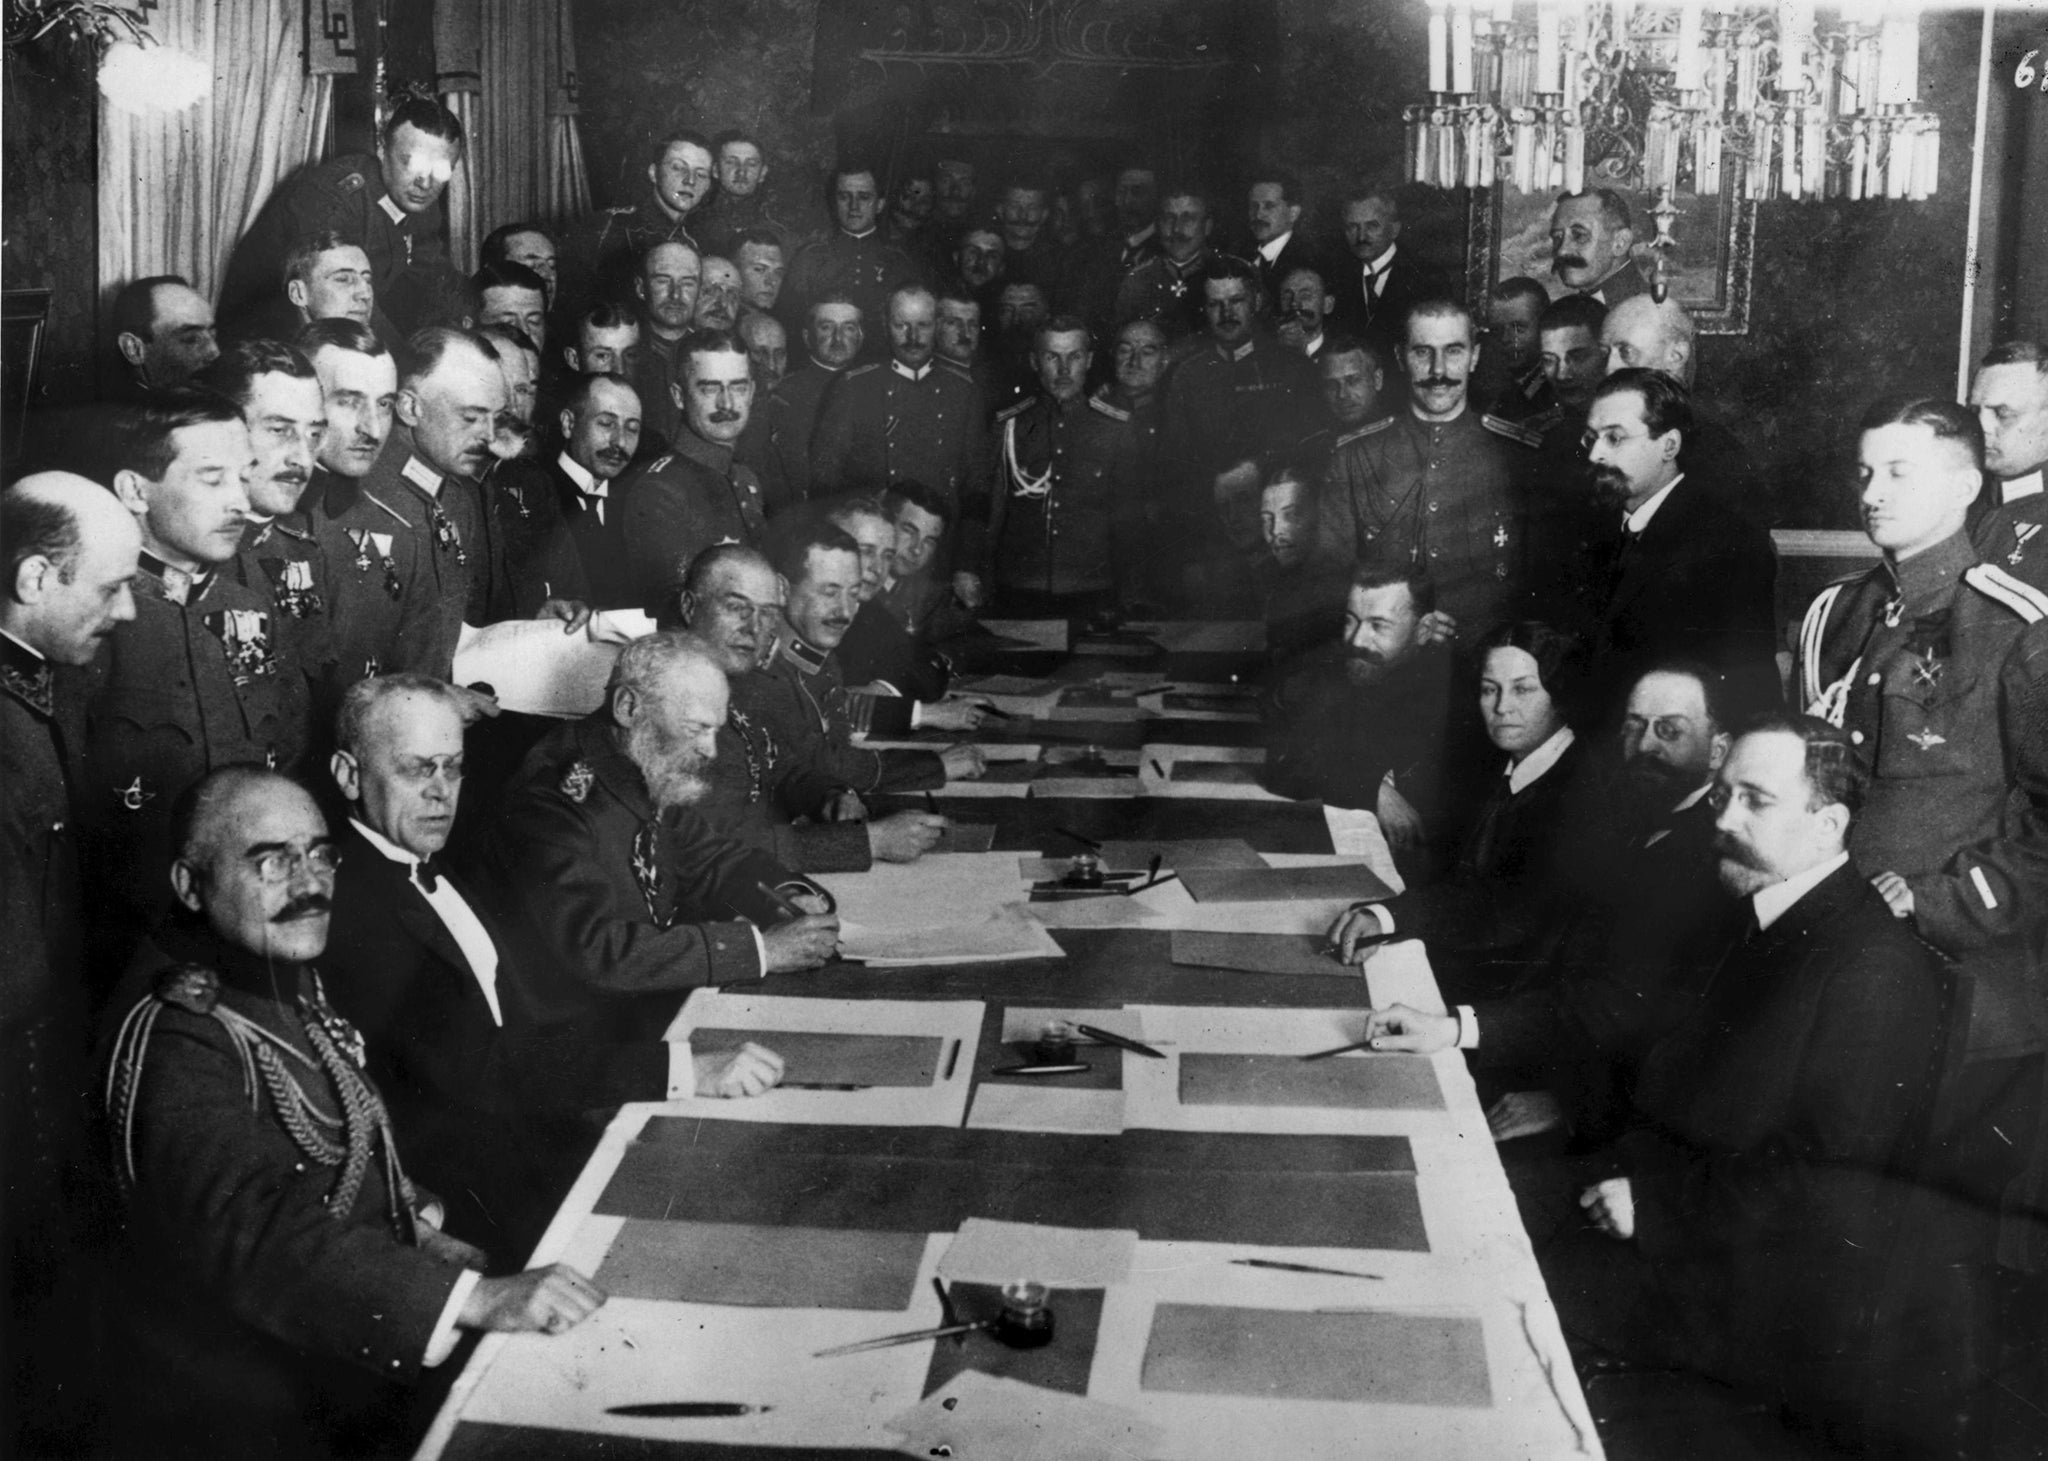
<point>1041,1070</point>
<point>1276,1264</point>
<point>821,1086</point>
<point>688,1409</point>
<point>1110,1037</point>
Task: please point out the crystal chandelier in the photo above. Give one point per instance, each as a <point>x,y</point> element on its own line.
<point>1763,100</point>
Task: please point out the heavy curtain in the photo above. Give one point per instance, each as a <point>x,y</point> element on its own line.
<point>177,188</point>
<point>513,64</point>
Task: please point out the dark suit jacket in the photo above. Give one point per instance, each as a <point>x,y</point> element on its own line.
<point>471,1101</point>
<point>1778,1128</point>
<point>1382,317</point>
<point>600,545</point>
<point>1699,583</point>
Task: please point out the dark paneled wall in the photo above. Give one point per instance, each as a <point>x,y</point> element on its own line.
<point>51,183</point>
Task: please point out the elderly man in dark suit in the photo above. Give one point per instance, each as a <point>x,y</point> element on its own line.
<point>1679,573</point>
<point>282,1270</point>
<point>1756,1202</point>
<point>480,1093</point>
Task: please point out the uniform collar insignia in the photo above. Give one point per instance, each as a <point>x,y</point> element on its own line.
<point>28,679</point>
<point>391,210</point>
<point>909,373</point>
<point>1237,354</point>
<point>577,781</point>
<point>804,655</point>
<point>420,475</point>
<point>180,585</point>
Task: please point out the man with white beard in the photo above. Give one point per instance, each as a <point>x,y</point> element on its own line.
<point>598,848</point>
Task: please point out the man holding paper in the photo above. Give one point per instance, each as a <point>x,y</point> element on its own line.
<point>604,860</point>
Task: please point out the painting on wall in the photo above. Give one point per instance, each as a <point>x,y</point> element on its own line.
<point>1710,266</point>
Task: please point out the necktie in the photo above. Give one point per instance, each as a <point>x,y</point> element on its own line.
<point>427,876</point>
<point>595,502</point>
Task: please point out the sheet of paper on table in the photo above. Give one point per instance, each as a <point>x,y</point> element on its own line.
<point>1035,633</point>
<point>1373,1357</point>
<point>1006,934</point>
<point>941,1100</point>
<point>1119,856</point>
<point>988,1251</point>
<point>534,667</point>
<point>1259,953</point>
<point>1203,636</point>
<point>1018,1106</point>
<point>1232,1055</point>
<point>1356,883</point>
<point>977,1417</point>
<point>903,895</point>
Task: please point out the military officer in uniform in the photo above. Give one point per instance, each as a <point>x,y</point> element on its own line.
<point>1070,505</point>
<point>605,249</point>
<point>2010,396</point>
<point>284,1278</point>
<point>764,792</point>
<point>1438,485</point>
<point>1228,406</point>
<point>800,696</point>
<point>670,279</point>
<point>1936,664</point>
<point>917,418</point>
<point>698,495</point>
<point>450,397</point>
<point>854,259</point>
<point>283,407</point>
<point>378,595</point>
<point>389,203</point>
<point>601,854</point>
<point>1167,286</point>
<point>207,673</point>
<point>777,444</point>
<point>70,554</point>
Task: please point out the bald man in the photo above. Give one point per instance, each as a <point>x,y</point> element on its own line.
<point>1640,333</point>
<point>71,550</point>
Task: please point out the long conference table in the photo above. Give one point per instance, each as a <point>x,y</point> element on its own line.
<point>1245,1254</point>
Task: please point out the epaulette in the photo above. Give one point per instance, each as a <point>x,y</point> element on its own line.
<point>660,464</point>
<point>956,367</point>
<point>624,210</point>
<point>1370,428</point>
<point>291,532</point>
<point>2030,603</point>
<point>1014,410</point>
<point>1114,413</point>
<point>856,372</point>
<point>402,518</point>
<point>1513,431</point>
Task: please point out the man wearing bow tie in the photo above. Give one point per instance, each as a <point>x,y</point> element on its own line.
<point>482,1096</point>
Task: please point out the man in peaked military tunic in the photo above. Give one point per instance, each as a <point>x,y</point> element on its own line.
<point>1071,498</point>
<point>800,696</point>
<point>206,675</point>
<point>1228,407</point>
<point>604,251</point>
<point>283,407</point>
<point>70,554</point>
<point>697,496</point>
<point>283,1272</point>
<point>600,854</point>
<point>377,596</point>
<point>777,443</point>
<point>390,204</point>
<point>2010,395</point>
<point>916,419</point>
<point>1438,486</point>
<point>1937,666</point>
<point>853,259</point>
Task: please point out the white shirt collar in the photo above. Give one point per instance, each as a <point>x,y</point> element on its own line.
<point>1270,249</point>
<point>1314,346</point>
<point>1772,903</point>
<point>848,233</point>
<point>1693,799</point>
<point>2029,484</point>
<point>421,476</point>
<point>23,643</point>
<point>1636,521</point>
<point>391,210</point>
<point>474,941</point>
<point>907,373</point>
<point>586,481</point>
<point>1384,262</point>
<point>1525,771</point>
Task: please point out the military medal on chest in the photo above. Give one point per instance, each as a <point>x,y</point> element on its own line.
<point>296,594</point>
<point>244,636</point>
<point>380,543</point>
<point>445,536</point>
<point>2022,534</point>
